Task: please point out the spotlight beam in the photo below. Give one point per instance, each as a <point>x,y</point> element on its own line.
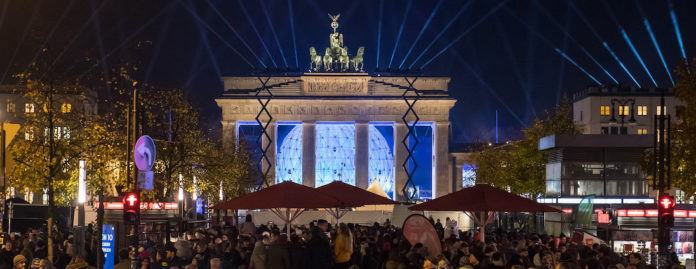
<point>194,64</point>
<point>207,26</point>
<point>401,30</point>
<point>657,47</point>
<point>628,40</point>
<point>492,92</point>
<point>549,43</point>
<point>234,31</point>
<point>50,34</point>
<point>292,30</point>
<point>253,26</point>
<point>100,44</point>
<point>131,36</point>
<point>379,29</point>
<point>640,59</point>
<point>620,63</point>
<point>79,33</point>
<point>673,16</point>
<point>596,34</point>
<point>467,31</point>
<point>432,42</point>
<point>425,26</point>
<point>158,46</point>
<point>206,43</point>
<point>270,25</point>
<point>515,68</point>
<point>582,48</point>
<point>21,41</point>
<point>578,66</point>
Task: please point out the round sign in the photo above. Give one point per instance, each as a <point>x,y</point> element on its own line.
<point>144,152</point>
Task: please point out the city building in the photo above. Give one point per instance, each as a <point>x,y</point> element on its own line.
<point>604,163</point>
<point>14,107</point>
<point>620,110</point>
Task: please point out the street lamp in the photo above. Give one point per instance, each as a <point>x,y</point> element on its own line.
<point>622,103</point>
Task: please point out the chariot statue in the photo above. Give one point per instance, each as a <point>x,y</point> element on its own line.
<point>315,64</point>
<point>336,57</point>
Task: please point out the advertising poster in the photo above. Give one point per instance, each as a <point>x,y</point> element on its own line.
<point>108,246</point>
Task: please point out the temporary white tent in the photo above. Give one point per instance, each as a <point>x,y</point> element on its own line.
<point>376,189</point>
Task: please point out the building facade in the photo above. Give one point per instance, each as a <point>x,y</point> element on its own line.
<point>616,110</point>
<point>347,127</point>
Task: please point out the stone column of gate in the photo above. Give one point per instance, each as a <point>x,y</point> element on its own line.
<point>229,134</point>
<point>400,155</point>
<point>458,176</point>
<point>271,153</point>
<point>309,141</point>
<point>443,180</point>
<point>362,154</point>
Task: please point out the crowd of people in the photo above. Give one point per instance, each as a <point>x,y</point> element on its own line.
<point>320,244</point>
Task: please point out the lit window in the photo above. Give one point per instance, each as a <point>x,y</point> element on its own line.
<point>29,134</point>
<point>642,131</point>
<point>10,106</point>
<point>642,110</point>
<point>659,112</point>
<point>624,111</point>
<point>28,108</point>
<point>66,108</point>
<point>605,111</point>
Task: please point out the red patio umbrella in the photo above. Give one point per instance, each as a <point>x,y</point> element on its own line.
<point>483,198</point>
<point>292,197</point>
<point>350,196</point>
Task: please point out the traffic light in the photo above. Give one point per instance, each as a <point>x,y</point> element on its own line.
<point>131,208</point>
<point>665,210</point>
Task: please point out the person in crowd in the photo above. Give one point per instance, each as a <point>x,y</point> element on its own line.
<point>277,256</point>
<point>248,227</point>
<point>19,262</point>
<point>343,247</point>
<point>319,247</point>
<point>124,259</point>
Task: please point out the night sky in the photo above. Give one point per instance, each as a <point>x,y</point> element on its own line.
<point>501,55</point>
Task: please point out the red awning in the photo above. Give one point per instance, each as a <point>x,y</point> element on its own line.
<point>351,196</point>
<point>283,195</point>
<point>483,197</point>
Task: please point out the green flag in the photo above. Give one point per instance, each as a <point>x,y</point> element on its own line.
<point>583,217</point>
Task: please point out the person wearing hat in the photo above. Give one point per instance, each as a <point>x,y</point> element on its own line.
<point>19,262</point>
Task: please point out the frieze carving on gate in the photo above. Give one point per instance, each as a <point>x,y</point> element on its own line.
<point>334,109</point>
<point>329,85</point>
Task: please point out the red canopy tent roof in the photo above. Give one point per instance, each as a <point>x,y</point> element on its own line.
<point>351,196</point>
<point>483,197</point>
<point>283,195</point>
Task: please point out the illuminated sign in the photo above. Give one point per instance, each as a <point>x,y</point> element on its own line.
<point>119,205</point>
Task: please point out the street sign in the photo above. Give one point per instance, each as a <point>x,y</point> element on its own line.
<point>144,153</point>
<point>108,246</point>
<point>145,180</point>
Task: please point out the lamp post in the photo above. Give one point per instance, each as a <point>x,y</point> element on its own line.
<point>2,167</point>
<point>180,195</point>
<point>622,103</point>
<point>81,194</point>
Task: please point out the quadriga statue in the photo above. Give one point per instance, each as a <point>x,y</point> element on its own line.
<point>315,60</point>
<point>358,60</point>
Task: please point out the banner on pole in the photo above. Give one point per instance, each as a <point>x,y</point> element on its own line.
<point>417,229</point>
